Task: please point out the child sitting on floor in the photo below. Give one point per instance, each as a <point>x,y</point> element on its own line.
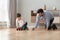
<point>20,24</point>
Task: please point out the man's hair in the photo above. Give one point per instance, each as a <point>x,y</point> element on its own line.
<point>18,15</point>
<point>40,11</point>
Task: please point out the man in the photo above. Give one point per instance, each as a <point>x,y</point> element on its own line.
<point>48,18</point>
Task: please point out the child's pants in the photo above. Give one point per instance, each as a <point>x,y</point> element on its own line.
<point>24,27</point>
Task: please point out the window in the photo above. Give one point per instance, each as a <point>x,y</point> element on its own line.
<point>4,11</point>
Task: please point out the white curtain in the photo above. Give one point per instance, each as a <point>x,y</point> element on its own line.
<point>4,11</point>
<point>8,12</point>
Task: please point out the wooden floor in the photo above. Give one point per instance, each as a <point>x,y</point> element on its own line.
<point>38,34</point>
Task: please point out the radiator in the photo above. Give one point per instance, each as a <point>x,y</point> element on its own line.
<point>3,24</point>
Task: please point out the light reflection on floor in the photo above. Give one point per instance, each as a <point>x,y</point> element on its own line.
<point>39,34</point>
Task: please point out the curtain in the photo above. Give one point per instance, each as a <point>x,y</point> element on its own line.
<point>12,13</point>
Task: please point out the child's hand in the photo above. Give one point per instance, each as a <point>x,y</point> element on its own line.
<point>41,21</point>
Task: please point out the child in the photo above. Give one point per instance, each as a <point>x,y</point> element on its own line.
<point>20,24</point>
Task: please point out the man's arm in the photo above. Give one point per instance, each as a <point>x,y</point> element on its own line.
<point>47,22</point>
<point>37,20</point>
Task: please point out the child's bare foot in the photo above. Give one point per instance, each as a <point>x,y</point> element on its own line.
<point>19,29</point>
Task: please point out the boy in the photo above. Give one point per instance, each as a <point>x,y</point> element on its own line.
<point>20,24</point>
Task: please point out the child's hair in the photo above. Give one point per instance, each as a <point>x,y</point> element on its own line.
<point>18,15</point>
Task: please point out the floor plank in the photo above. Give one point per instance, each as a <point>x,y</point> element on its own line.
<point>38,34</point>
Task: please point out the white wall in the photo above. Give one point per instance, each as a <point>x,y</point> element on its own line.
<point>25,6</point>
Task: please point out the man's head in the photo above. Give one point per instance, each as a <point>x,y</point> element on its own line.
<point>18,16</point>
<point>40,11</point>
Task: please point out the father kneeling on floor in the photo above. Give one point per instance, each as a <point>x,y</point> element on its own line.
<point>48,18</point>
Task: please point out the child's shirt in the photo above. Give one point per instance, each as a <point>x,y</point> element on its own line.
<point>19,23</point>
